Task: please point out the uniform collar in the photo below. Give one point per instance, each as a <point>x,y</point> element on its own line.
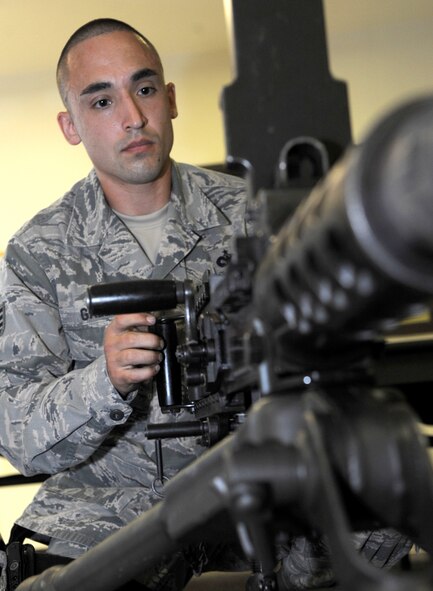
<point>94,224</point>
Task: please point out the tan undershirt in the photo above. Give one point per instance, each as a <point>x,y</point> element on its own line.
<point>147,229</point>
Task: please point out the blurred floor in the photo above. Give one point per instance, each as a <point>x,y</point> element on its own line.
<point>218,582</point>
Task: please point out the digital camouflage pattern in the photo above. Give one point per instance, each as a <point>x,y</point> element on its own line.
<point>307,563</point>
<point>60,414</point>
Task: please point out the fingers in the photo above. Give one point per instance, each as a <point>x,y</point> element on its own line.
<point>138,322</point>
<point>132,353</point>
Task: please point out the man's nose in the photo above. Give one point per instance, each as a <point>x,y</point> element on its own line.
<point>134,118</point>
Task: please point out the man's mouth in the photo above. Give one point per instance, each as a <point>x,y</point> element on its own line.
<point>138,146</point>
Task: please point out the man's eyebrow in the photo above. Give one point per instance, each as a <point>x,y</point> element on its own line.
<point>143,73</point>
<point>95,87</point>
<point>136,76</point>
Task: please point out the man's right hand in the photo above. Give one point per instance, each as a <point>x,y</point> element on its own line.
<point>132,353</point>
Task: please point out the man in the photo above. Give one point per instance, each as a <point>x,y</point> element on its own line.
<point>76,392</point>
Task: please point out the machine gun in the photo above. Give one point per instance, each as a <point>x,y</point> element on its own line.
<point>290,336</point>
<point>342,271</point>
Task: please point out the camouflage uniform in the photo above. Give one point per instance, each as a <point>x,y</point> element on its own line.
<point>59,411</point>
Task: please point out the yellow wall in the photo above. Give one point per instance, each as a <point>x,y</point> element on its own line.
<point>13,499</point>
<point>383,65</point>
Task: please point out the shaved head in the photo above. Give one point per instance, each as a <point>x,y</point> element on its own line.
<point>91,29</point>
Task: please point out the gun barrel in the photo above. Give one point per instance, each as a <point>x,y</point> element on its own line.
<point>358,253</point>
<point>140,295</point>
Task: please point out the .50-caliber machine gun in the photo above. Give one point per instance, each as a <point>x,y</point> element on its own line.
<point>287,342</point>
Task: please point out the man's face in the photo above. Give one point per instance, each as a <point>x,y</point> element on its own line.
<point>120,108</point>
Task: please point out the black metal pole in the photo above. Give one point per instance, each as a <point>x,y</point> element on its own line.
<point>191,501</point>
<point>114,562</point>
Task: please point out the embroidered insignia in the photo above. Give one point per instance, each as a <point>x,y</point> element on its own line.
<point>2,318</point>
<point>224,259</point>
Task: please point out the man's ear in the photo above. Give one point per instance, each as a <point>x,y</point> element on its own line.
<point>171,93</point>
<point>68,128</point>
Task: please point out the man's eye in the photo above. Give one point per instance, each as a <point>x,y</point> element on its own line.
<point>146,90</point>
<point>101,103</point>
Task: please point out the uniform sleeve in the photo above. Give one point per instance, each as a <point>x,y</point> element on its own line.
<point>52,415</point>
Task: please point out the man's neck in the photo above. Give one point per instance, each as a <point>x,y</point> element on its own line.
<point>131,199</point>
